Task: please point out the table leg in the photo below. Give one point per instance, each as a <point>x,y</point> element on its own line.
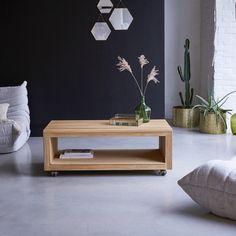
<point>165,145</point>
<point>50,150</point>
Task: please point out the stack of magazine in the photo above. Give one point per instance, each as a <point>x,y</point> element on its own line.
<point>126,120</point>
<point>77,154</point>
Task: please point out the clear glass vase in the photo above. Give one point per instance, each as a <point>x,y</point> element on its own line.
<point>233,124</point>
<point>143,110</point>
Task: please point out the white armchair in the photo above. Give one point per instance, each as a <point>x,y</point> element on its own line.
<point>15,130</point>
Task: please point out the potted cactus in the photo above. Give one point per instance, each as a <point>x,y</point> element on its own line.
<point>184,116</point>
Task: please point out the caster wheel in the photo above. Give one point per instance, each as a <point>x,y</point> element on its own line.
<point>161,172</point>
<point>54,173</point>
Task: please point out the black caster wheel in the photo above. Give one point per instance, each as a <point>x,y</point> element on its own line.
<point>161,172</point>
<point>54,173</point>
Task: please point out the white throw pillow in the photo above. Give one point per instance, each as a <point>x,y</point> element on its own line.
<point>213,186</point>
<point>3,111</point>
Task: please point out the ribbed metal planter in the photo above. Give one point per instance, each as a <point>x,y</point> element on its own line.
<point>185,118</point>
<point>210,124</point>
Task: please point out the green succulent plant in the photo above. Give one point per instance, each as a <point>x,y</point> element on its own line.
<point>212,105</point>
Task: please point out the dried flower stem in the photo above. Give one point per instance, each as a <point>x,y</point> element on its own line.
<point>145,89</point>
<point>141,92</point>
<point>142,79</point>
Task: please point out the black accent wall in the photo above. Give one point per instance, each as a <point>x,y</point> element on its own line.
<point>70,75</point>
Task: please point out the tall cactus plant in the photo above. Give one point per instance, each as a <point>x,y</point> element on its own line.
<point>187,103</point>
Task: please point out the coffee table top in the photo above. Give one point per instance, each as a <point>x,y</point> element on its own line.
<point>67,128</point>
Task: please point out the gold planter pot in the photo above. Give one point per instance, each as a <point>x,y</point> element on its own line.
<point>210,124</point>
<point>185,117</point>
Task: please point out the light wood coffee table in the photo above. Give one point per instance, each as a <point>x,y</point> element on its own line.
<point>136,159</point>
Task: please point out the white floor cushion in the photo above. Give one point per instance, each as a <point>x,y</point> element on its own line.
<point>213,186</point>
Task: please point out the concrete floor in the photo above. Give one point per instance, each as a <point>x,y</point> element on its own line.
<point>109,203</point>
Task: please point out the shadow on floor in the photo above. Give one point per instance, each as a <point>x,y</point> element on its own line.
<point>23,162</point>
<point>108,173</point>
<point>195,211</point>
<point>33,169</point>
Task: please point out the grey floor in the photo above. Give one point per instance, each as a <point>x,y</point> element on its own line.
<point>109,203</point>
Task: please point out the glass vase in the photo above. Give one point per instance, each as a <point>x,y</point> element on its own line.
<point>233,124</point>
<point>143,110</point>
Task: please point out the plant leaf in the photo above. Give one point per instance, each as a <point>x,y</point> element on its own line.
<point>220,105</point>
<point>203,100</point>
<point>226,96</point>
<point>223,119</point>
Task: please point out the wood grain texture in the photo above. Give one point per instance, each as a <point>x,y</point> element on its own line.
<point>149,159</point>
<point>165,144</point>
<point>70,128</point>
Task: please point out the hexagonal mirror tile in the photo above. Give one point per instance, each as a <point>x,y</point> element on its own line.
<point>101,31</point>
<point>105,6</point>
<point>121,18</point>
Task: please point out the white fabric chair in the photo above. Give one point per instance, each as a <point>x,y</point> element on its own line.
<point>15,130</point>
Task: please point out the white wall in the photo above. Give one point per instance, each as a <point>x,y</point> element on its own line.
<point>225,51</point>
<point>211,27</point>
<point>218,49</point>
<point>207,46</point>
<point>182,20</point>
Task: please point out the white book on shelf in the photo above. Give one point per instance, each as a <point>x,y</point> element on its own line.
<point>77,154</point>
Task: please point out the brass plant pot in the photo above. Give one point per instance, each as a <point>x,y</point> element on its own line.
<point>210,124</point>
<point>233,124</point>
<point>185,117</point>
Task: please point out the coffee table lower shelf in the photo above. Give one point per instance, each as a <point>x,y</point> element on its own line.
<point>112,160</point>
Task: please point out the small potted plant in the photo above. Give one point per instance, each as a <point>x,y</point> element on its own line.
<point>212,115</point>
<point>184,116</point>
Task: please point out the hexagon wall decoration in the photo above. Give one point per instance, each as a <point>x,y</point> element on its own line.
<point>105,6</point>
<point>121,19</point>
<point>101,31</point>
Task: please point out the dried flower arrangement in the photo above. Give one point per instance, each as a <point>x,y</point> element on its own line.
<point>142,109</point>
<point>123,65</point>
